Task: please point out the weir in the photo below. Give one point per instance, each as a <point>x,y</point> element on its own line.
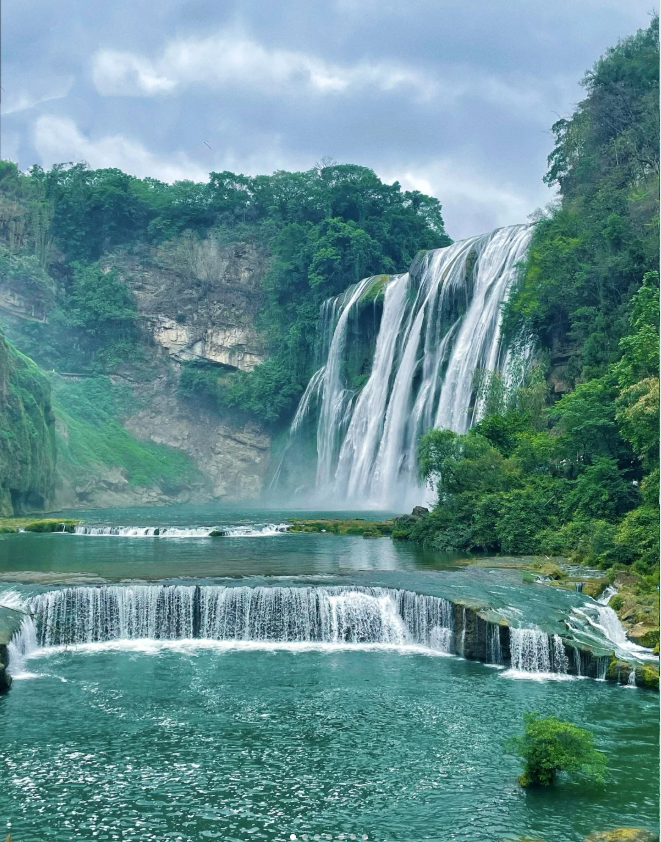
<point>240,531</point>
<point>440,323</point>
<point>337,615</point>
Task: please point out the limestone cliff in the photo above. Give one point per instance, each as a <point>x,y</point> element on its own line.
<point>196,299</point>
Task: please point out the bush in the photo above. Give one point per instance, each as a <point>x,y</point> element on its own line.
<point>549,746</point>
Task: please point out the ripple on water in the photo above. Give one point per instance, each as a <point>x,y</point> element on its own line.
<point>244,744</point>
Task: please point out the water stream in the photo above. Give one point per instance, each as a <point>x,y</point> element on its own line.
<point>440,324</point>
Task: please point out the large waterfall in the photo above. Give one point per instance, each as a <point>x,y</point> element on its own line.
<point>439,324</point>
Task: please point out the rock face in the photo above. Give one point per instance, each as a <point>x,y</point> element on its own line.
<point>232,455</point>
<point>198,299</point>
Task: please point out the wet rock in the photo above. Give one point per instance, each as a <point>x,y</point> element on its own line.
<point>419,511</point>
<point>623,834</point>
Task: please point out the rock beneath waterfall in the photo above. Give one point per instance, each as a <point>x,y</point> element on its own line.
<point>622,834</point>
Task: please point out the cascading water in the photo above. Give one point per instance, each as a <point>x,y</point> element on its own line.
<point>440,324</point>
<point>240,531</point>
<point>331,615</point>
<point>533,650</point>
<point>320,616</point>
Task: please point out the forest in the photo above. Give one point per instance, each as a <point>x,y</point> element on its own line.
<point>575,473</point>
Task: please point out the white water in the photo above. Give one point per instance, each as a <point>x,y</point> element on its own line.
<point>247,531</point>
<point>533,650</point>
<point>440,324</point>
<point>600,621</point>
<point>333,615</point>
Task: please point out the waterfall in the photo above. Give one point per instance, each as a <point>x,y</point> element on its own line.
<point>347,615</point>
<point>494,654</point>
<point>440,323</point>
<point>240,531</point>
<point>533,650</point>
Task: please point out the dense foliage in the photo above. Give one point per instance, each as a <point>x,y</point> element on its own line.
<point>591,250</point>
<point>322,230</point>
<point>578,475</point>
<point>550,746</point>
<point>27,433</point>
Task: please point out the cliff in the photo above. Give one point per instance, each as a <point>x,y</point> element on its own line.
<point>146,443</point>
<point>27,434</point>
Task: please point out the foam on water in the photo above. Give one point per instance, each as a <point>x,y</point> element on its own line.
<point>234,531</point>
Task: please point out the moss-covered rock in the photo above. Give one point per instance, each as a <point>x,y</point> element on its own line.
<point>27,434</point>
<point>17,524</point>
<point>595,587</point>
<point>623,834</point>
<point>351,526</point>
<point>647,675</point>
<point>644,635</point>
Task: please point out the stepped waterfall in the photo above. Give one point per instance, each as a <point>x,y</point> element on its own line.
<point>320,616</point>
<point>438,325</point>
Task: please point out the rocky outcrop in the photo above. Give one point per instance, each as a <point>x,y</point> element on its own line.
<point>198,298</point>
<point>10,623</point>
<point>232,454</point>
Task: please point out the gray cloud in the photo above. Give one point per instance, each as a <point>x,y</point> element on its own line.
<point>453,98</point>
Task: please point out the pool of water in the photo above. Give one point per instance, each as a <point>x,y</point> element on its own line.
<point>153,742</point>
<point>192,740</point>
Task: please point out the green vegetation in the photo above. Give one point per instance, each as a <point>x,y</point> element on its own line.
<point>89,410</point>
<point>14,524</point>
<point>576,476</point>
<point>549,746</point>
<point>27,434</point>
<point>322,230</point>
<point>352,526</point>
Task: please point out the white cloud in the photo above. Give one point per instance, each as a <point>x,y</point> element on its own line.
<point>228,60</point>
<point>58,140</point>
<point>20,99</point>
<point>473,202</point>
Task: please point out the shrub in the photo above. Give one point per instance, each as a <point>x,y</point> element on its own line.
<point>549,746</point>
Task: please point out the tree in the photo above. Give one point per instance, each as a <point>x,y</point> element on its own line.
<point>549,746</point>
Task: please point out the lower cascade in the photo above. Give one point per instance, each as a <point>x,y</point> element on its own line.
<point>240,531</point>
<point>279,615</point>
<point>337,615</point>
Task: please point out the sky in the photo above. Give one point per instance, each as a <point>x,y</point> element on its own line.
<point>451,97</point>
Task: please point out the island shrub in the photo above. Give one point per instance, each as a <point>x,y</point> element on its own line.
<point>550,746</point>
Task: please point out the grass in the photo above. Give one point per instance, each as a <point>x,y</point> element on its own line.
<point>354,526</point>
<point>29,524</point>
<point>94,436</point>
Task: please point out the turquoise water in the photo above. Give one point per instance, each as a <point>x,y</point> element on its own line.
<point>211,744</point>
<point>141,740</point>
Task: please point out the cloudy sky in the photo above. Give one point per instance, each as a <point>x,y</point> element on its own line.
<point>451,97</point>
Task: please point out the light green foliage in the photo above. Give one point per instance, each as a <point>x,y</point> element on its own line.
<point>27,434</point>
<point>89,410</point>
<point>550,746</point>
